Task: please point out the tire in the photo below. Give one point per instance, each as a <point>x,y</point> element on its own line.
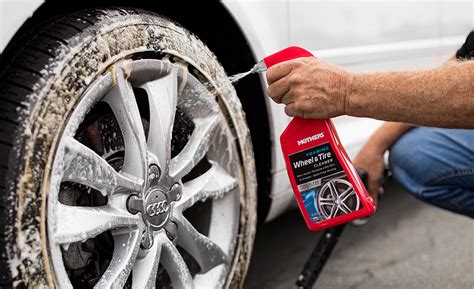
<point>85,168</point>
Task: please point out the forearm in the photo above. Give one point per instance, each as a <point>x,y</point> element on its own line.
<point>441,97</point>
<point>386,136</point>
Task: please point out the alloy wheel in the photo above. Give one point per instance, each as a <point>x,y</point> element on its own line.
<point>337,197</point>
<point>142,176</point>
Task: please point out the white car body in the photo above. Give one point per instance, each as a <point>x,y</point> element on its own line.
<point>360,36</point>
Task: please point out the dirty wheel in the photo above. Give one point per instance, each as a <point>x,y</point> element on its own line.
<point>128,162</point>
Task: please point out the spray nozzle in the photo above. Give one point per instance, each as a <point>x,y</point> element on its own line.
<point>259,67</point>
<point>281,56</point>
<point>286,54</point>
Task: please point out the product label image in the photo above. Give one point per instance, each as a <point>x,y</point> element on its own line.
<point>322,183</point>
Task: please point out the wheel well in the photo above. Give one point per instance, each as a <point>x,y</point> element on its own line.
<point>231,48</point>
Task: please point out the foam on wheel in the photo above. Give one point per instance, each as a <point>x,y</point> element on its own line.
<point>75,94</point>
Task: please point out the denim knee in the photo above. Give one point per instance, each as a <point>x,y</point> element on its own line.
<point>408,163</point>
<point>437,166</point>
<point>452,198</point>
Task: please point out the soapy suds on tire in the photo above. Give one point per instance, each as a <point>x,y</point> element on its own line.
<point>143,33</point>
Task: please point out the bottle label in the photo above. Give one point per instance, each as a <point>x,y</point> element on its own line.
<point>323,184</point>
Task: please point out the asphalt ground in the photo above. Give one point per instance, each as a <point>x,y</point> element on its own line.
<point>407,244</point>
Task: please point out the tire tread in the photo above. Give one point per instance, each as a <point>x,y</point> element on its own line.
<point>21,67</point>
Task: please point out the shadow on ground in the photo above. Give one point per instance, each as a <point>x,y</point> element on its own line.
<point>406,245</point>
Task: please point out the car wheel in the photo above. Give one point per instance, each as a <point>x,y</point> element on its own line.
<point>125,158</point>
<point>337,197</point>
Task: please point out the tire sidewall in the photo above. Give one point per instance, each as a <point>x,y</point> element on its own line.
<point>118,34</point>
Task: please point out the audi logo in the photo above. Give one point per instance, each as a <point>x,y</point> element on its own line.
<point>158,208</point>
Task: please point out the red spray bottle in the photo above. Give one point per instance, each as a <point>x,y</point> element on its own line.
<point>327,188</point>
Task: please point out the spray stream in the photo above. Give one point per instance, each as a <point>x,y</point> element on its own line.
<point>259,67</point>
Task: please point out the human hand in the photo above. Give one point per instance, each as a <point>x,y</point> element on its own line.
<point>310,87</point>
<point>370,158</point>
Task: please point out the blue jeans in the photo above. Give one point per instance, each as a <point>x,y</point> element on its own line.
<point>437,166</point>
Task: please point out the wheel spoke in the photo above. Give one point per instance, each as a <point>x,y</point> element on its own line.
<point>214,183</point>
<point>207,253</point>
<point>347,193</point>
<point>125,253</point>
<point>322,199</point>
<point>326,203</point>
<point>124,106</point>
<point>84,166</point>
<point>162,96</point>
<point>196,148</point>
<point>333,212</point>
<point>175,266</point>
<point>146,267</point>
<point>333,190</point>
<point>345,208</point>
<point>76,224</point>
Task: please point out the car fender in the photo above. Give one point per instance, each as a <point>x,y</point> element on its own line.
<point>265,24</point>
<point>12,15</point>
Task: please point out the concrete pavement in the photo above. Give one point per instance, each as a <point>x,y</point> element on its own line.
<point>406,245</point>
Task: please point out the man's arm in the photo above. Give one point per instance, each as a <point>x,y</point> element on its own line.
<point>371,156</point>
<point>312,88</point>
<point>442,97</point>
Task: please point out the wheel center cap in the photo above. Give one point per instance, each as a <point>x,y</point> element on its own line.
<point>157,208</point>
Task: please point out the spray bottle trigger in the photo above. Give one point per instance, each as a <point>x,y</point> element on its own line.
<point>286,54</point>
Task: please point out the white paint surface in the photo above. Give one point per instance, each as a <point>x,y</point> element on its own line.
<point>13,13</point>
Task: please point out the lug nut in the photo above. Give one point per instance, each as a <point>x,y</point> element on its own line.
<point>147,239</point>
<point>171,230</point>
<point>134,204</point>
<point>175,192</point>
<point>154,175</point>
